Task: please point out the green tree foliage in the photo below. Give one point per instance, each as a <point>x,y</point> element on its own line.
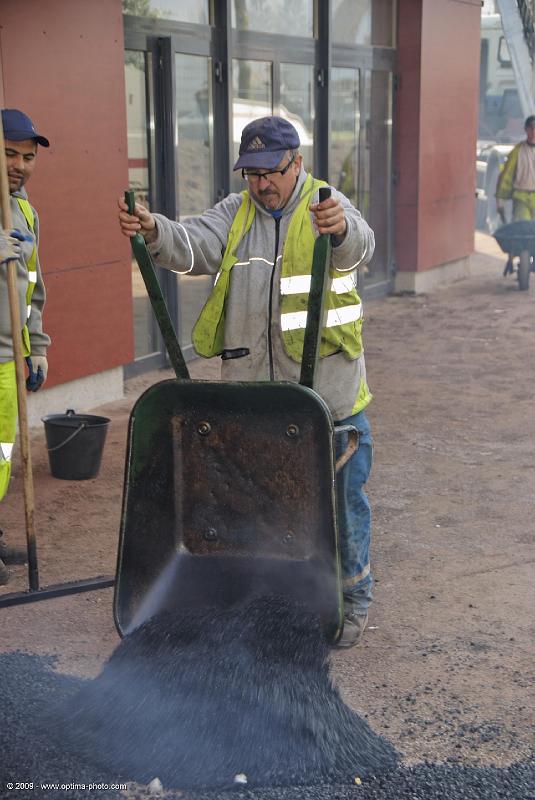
<point>140,8</point>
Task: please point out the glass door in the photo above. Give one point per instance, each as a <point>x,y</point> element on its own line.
<point>137,69</point>
<point>170,118</point>
<point>297,88</point>
<point>363,33</point>
<point>376,173</point>
<point>345,134</point>
<point>194,173</point>
<point>361,149</point>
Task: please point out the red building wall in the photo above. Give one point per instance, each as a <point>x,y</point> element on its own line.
<point>63,65</point>
<point>438,59</point>
<point>407,133</point>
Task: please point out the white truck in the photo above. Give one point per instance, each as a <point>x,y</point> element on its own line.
<point>501,118</point>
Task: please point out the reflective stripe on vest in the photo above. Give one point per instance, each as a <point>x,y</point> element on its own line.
<point>342,329</point>
<point>299,284</point>
<point>297,320</point>
<point>6,449</point>
<point>31,266</point>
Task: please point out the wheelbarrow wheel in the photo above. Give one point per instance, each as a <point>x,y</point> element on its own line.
<point>524,268</point>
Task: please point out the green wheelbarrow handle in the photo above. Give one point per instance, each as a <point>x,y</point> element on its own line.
<point>316,302</point>
<point>148,273</point>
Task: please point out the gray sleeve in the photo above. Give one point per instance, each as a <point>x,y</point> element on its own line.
<point>195,245</point>
<point>356,249</point>
<point>39,341</point>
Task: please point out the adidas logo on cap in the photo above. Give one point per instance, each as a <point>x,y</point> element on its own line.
<point>256,144</point>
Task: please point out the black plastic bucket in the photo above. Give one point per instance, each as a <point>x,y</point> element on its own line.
<point>75,443</point>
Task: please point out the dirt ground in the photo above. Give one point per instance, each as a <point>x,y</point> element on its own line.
<point>446,669</point>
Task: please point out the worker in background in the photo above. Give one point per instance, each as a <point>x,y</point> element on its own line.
<point>517,181</point>
<point>21,142</point>
<point>260,244</point>
<point>517,178</point>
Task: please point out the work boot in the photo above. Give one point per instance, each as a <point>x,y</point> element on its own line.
<point>12,555</point>
<point>354,627</point>
<point>4,573</point>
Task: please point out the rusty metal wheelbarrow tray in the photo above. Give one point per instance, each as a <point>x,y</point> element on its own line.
<point>229,488</point>
<point>229,493</point>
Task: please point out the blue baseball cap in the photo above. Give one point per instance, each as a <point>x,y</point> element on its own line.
<point>18,127</point>
<point>265,141</point>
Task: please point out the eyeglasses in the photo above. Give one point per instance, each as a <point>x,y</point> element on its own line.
<point>247,175</point>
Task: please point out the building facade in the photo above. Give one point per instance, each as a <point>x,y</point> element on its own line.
<point>153,94</point>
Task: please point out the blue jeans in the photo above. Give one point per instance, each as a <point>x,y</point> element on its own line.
<point>354,516</point>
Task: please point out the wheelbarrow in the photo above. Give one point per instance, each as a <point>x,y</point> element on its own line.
<point>518,239</point>
<point>229,489</point>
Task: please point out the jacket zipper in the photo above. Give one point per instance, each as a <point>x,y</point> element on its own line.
<point>270,341</point>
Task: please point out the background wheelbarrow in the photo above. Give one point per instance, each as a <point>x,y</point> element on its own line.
<point>229,488</point>
<point>518,239</point>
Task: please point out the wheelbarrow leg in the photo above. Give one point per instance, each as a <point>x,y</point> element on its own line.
<point>508,269</point>
<point>524,268</point>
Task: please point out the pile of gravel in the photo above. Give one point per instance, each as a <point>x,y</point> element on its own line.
<point>30,687</point>
<point>201,696</point>
<point>28,757</point>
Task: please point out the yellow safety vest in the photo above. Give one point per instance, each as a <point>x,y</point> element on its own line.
<point>26,209</point>
<point>342,330</point>
<point>504,187</point>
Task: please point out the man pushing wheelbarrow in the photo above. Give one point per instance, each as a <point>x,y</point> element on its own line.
<point>517,183</point>
<point>260,244</point>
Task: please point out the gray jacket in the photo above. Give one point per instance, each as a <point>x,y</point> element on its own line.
<point>39,341</point>
<point>196,246</point>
